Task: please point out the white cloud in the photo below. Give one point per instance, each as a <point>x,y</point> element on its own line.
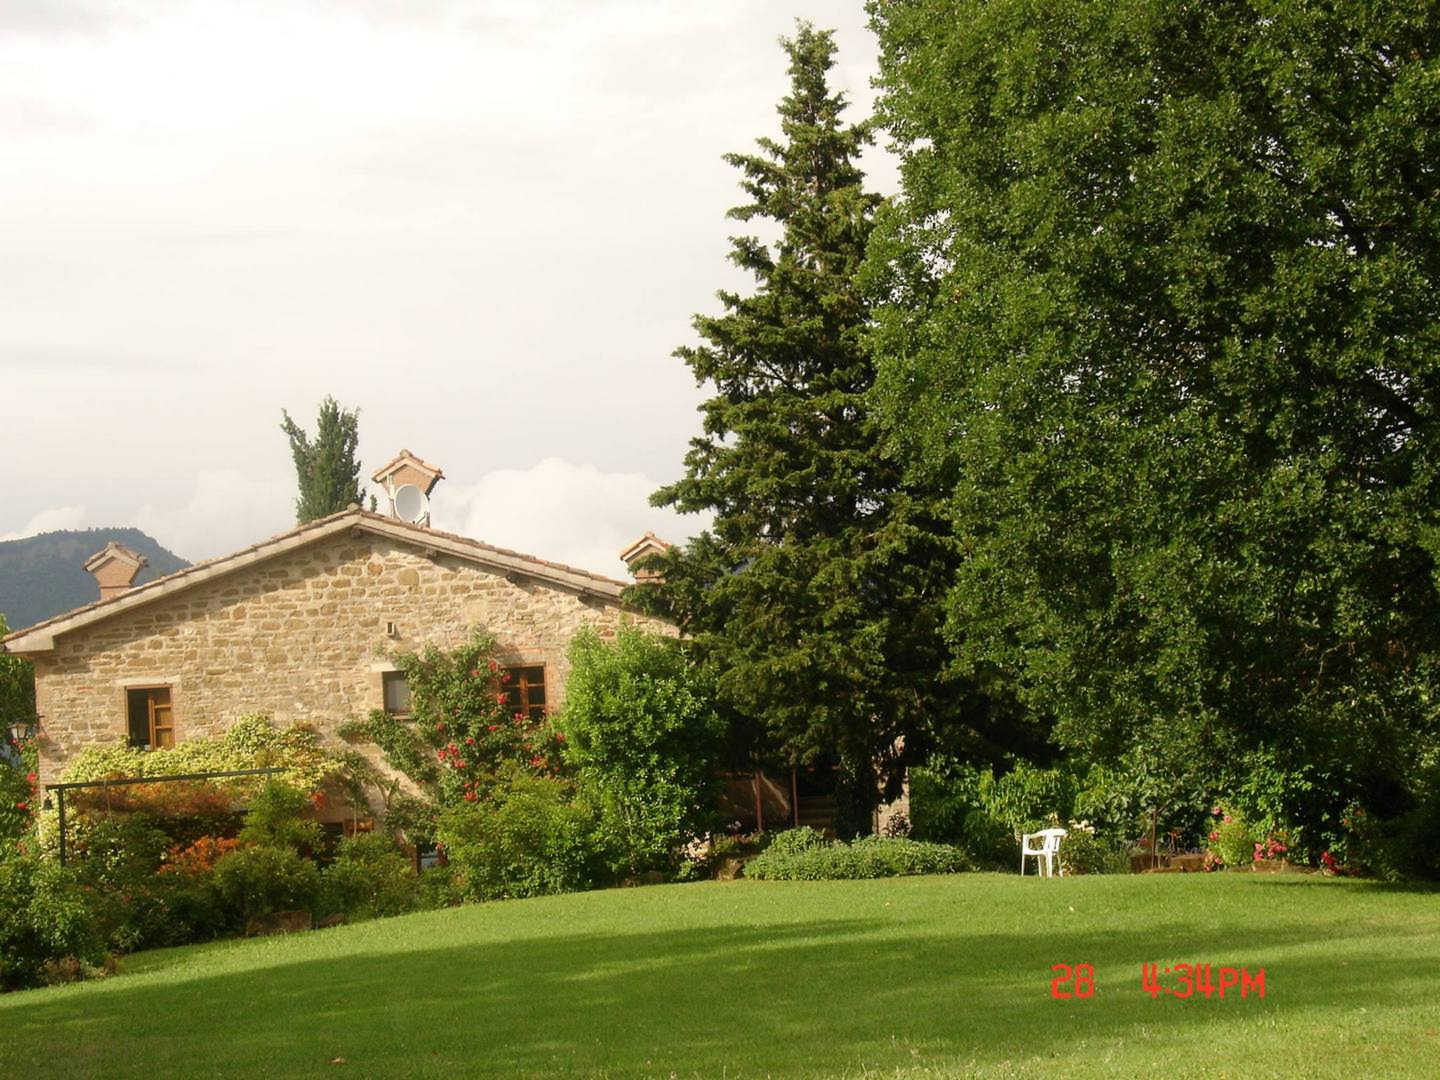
<point>557,510</point>
<point>59,517</point>
<point>227,510</point>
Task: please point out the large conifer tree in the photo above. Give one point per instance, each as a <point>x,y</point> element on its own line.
<point>326,468</point>
<point>813,594</point>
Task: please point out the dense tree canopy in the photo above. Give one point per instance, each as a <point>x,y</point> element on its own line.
<point>815,593</point>
<point>1162,310</point>
<point>326,467</point>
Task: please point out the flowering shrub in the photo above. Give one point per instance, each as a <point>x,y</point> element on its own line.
<point>1083,851</point>
<point>20,795</point>
<point>1232,839</point>
<point>199,857</point>
<point>464,725</point>
<point>1268,849</point>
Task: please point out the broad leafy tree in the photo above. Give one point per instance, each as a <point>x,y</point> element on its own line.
<point>1163,314</point>
<point>813,596</point>
<point>325,467</point>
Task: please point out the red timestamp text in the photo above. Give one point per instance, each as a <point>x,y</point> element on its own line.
<point>1192,979</point>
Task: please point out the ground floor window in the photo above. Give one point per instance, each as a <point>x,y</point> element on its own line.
<point>525,686</point>
<point>151,716</point>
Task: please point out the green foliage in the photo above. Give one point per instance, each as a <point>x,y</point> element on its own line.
<point>640,725</point>
<point>808,595</point>
<point>19,797</point>
<point>956,803</point>
<point>526,837</point>
<point>1159,305</point>
<point>254,881</point>
<point>803,859</point>
<point>464,728</point>
<point>44,918</point>
<point>251,742</point>
<point>370,878</point>
<point>1082,851</point>
<point>1027,798</point>
<point>17,688</point>
<point>326,468</point>
<point>276,818</point>
<point>1232,838</point>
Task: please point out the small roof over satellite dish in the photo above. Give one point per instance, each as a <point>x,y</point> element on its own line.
<point>410,503</point>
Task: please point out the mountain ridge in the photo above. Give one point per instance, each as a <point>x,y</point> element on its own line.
<point>44,575</point>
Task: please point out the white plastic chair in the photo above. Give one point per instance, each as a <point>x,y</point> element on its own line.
<point>1048,849</point>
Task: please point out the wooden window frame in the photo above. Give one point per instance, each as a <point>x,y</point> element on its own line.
<point>521,686</point>
<point>153,731</point>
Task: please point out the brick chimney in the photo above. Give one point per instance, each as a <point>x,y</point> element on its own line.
<point>115,568</point>
<point>641,549</point>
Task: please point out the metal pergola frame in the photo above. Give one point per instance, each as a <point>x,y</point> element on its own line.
<point>127,781</point>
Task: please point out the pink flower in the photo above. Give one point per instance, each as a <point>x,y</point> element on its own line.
<point>469,740</point>
<point>493,665</point>
<point>31,777</point>
<point>501,698</point>
<point>492,727</point>
<point>1214,836</point>
<point>22,806</point>
<point>1215,810</point>
<point>439,725</point>
<point>537,761</point>
<point>559,736</point>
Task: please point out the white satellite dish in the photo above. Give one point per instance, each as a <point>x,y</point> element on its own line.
<point>410,504</point>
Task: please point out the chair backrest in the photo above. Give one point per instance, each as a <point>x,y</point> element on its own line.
<point>1052,838</point>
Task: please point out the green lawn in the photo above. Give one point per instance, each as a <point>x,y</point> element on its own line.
<point>931,976</point>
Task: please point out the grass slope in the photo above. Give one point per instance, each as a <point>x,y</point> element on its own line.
<point>913,977</point>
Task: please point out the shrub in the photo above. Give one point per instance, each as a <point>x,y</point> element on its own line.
<point>466,729</point>
<point>44,919</point>
<point>1083,851</point>
<point>19,798</point>
<point>956,803</point>
<point>526,837</point>
<point>641,726</point>
<point>251,882</point>
<point>1232,838</point>
<point>802,859</point>
<point>370,878</point>
<point>440,887</point>
<point>276,818</point>
<point>251,742</point>
<point>185,811</point>
<point>117,859</point>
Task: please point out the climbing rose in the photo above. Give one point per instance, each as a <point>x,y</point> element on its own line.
<point>31,777</point>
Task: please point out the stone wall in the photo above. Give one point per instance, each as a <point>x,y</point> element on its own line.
<point>302,637</point>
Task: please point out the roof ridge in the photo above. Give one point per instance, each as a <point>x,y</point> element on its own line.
<point>359,515</point>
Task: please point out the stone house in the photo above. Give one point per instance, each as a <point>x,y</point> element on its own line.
<point>300,627</point>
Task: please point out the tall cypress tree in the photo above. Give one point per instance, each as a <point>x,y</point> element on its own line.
<point>813,593</point>
<point>326,468</point>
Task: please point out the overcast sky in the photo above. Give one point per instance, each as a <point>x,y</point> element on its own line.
<point>485,224</point>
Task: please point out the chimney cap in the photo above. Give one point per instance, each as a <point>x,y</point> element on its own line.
<point>116,552</point>
<point>406,468</point>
